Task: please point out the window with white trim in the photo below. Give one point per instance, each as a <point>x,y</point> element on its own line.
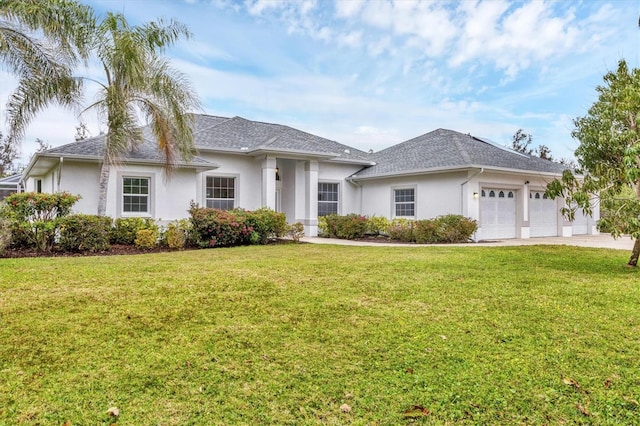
<point>221,192</point>
<point>327,198</point>
<point>404,201</point>
<point>135,194</point>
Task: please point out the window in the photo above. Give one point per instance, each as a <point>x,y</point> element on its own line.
<point>501,194</point>
<point>327,198</point>
<point>38,185</point>
<point>404,200</point>
<point>221,192</point>
<point>492,194</point>
<point>135,194</point>
<point>510,194</point>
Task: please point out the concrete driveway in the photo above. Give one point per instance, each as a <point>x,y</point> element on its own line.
<point>598,241</point>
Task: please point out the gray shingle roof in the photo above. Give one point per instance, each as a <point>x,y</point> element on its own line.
<point>237,133</point>
<point>448,149</point>
<point>234,134</point>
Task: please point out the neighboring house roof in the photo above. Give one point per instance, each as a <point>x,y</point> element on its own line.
<point>10,180</point>
<point>239,134</point>
<point>444,149</point>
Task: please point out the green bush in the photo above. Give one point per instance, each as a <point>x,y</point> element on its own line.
<point>126,229</point>
<point>347,227</point>
<point>146,239</point>
<point>34,217</point>
<point>323,230</point>
<point>456,228</point>
<point>296,231</point>
<point>5,229</point>
<point>81,232</point>
<point>176,234</point>
<point>401,230</point>
<point>267,224</point>
<point>214,227</point>
<point>377,225</point>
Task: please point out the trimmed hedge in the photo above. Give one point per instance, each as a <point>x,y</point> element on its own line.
<point>442,229</point>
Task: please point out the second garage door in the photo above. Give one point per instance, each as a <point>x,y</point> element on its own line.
<point>543,215</point>
<point>497,214</point>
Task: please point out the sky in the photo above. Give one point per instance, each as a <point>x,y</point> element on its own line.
<point>373,74</point>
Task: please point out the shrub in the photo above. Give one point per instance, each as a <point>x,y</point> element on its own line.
<point>401,231</point>
<point>296,231</point>
<point>323,229</point>
<point>5,230</point>
<point>83,232</point>
<point>146,239</point>
<point>377,225</point>
<point>177,234</point>
<point>34,217</point>
<point>427,231</point>
<point>346,227</point>
<point>456,228</point>
<point>126,229</point>
<point>214,227</point>
<point>267,224</point>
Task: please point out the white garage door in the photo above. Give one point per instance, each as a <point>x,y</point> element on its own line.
<point>497,213</point>
<point>543,215</point>
<point>580,223</point>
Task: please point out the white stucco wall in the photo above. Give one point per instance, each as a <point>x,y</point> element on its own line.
<point>435,195</point>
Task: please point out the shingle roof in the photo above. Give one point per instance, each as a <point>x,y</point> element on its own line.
<point>93,148</point>
<point>237,133</point>
<point>447,149</point>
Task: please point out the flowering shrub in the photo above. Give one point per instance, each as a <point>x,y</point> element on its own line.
<point>34,217</point>
<point>83,232</point>
<point>214,227</point>
<point>377,225</point>
<point>401,230</point>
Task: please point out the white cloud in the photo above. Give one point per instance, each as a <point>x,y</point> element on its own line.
<point>351,39</point>
<point>348,9</point>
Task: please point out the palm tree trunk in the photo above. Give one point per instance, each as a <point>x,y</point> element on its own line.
<point>105,171</point>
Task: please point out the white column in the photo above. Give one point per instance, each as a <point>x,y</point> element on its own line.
<point>269,182</point>
<point>311,198</point>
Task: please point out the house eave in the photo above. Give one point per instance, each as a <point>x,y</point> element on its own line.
<point>418,172</point>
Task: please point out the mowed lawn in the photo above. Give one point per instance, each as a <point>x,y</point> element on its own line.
<point>310,334</point>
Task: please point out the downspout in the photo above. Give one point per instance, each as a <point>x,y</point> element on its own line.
<point>60,171</point>
<point>357,185</point>
<point>462,189</point>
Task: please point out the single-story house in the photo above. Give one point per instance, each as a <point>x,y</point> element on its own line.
<point>251,164</point>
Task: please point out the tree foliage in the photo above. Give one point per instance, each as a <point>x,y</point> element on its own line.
<point>8,155</point>
<point>609,157</point>
<point>40,43</point>
<point>521,142</point>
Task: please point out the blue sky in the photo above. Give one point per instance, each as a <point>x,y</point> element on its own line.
<point>372,74</point>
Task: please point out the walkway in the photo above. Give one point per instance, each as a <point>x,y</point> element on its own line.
<point>598,241</point>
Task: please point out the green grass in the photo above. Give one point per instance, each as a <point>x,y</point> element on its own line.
<point>287,334</point>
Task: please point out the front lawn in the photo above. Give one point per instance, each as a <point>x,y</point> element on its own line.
<point>311,334</point>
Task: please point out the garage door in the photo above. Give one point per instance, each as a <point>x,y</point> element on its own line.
<point>497,214</point>
<point>543,215</point>
<point>580,223</point>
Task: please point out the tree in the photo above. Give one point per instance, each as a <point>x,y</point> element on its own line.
<point>521,142</point>
<point>544,152</point>
<point>138,81</point>
<point>8,154</point>
<point>40,42</point>
<point>609,158</point>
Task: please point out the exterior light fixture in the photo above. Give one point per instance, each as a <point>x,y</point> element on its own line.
<point>476,195</point>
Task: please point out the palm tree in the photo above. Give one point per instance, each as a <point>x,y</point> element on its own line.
<point>40,42</point>
<point>137,81</point>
